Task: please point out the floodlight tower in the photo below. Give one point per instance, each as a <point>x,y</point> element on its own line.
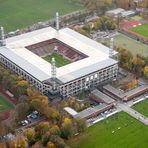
<point>57,21</point>
<point>53,72</point>
<point>2,37</point>
<point>111,50</point>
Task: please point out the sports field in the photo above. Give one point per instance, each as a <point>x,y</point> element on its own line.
<point>137,18</point>
<point>142,107</point>
<point>4,104</point>
<point>60,60</point>
<point>128,133</point>
<point>130,44</point>
<point>142,30</point>
<point>16,14</point>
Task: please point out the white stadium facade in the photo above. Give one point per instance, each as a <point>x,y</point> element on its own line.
<point>91,66</point>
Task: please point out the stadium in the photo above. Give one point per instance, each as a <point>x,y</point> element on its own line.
<point>34,55</point>
<point>135,29</point>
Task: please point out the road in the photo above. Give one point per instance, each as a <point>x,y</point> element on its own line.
<point>41,119</point>
<point>133,113</point>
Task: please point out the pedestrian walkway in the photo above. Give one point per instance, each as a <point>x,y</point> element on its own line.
<point>133,113</point>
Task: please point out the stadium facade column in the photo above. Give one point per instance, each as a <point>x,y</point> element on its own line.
<point>2,37</point>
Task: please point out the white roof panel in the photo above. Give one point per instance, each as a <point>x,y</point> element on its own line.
<point>98,54</point>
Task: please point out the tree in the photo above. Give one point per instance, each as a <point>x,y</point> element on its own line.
<point>45,138</point>
<point>30,134</point>
<point>81,124</point>
<point>32,92</point>
<point>3,145</point>
<point>18,142</point>
<point>125,4</point>
<point>50,145</point>
<point>96,5</point>
<point>22,87</point>
<point>41,129</point>
<point>145,71</point>
<point>55,130</point>
<point>4,129</point>
<point>59,142</point>
<point>38,144</point>
<point>21,111</point>
<point>67,129</point>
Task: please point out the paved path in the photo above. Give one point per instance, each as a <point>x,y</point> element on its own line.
<point>133,113</point>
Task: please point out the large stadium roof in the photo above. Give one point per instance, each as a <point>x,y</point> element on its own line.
<point>98,54</point>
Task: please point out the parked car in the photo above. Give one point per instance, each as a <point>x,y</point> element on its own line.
<point>24,122</point>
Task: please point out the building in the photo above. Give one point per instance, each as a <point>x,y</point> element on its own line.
<point>93,111</point>
<point>115,12</point>
<point>120,12</point>
<point>90,62</point>
<point>125,96</point>
<point>100,97</point>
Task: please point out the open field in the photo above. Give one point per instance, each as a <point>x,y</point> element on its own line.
<point>142,107</point>
<point>137,18</point>
<point>142,30</point>
<point>16,14</point>
<point>4,104</point>
<point>60,60</point>
<point>130,44</point>
<point>132,134</point>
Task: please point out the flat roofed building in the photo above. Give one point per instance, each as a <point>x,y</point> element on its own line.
<point>71,111</point>
<point>98,96</point>
<point>95,67</point>
<point>93,111</point>
<point>125,96</point>
<point>115,12</point>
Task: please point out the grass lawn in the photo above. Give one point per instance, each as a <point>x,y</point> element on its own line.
<point>16,14</point>
<point>142,30</point>
<point>4,104</point>
<point>60,60</point>
<point>130,44</point>
<point>137,18</point>
<point>142,107</point>
<point>133,134</point>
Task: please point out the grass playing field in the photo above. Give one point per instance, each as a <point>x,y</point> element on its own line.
<point>4,104</point>
<point>60,60</point>
<point>132,134</point>
<point>142,107</point>
<point>130,44</point>
<point>142,30</point>
<point>16,14</point>
<point>137,18</point>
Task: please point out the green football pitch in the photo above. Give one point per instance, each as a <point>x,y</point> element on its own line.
<point>142,107</point>
<point>4,104</point>
<point>128,133</point>
<point>130,44</point>
<point>60,60</point>
<point>142,30</point>
<point>16,14</point>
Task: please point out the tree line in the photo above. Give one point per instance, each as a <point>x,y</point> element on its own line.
<point>103,23</point>
<point>58,125</point>
<point>134,63</point>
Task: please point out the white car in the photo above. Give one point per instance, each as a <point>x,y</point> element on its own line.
<point>24,122</point>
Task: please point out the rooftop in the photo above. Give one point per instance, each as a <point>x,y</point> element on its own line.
<point>98,54</point>
<point>71,111</point>
<point>89,111</point>
<point>103,96</point>
<point>121,94</point>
